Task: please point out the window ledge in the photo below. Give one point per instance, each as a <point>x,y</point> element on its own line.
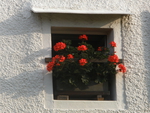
<point>63,104</point>
<point>68,11</point>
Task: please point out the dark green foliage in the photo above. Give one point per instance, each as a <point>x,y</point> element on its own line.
<point>72,74</point>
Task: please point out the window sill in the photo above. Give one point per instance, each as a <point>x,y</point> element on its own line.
<point>72,104</point>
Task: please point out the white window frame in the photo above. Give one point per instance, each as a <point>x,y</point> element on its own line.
<point>50,103</point>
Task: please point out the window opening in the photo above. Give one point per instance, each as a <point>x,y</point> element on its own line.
<point>101,91</point>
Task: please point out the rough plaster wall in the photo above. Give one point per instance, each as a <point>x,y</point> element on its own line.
<point>136,54</point>
<point>21,80</point>
<point>82,4</point>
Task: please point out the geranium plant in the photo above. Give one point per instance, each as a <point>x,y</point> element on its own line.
<point>79,66</point>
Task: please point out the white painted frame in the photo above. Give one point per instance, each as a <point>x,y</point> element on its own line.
<point>50,103</point>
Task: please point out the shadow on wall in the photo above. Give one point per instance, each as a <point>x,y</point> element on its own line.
<point>22,74</point>
<point>25,84</point>
<point>29,82</point>
<point>22,22</point>
<point>145,21</point>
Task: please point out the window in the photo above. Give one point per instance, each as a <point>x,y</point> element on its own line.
<point>104,25</point>
<point>97,38</point>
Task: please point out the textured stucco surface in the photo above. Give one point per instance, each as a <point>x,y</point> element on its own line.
<point>21,54</point>
<point>82,4</point>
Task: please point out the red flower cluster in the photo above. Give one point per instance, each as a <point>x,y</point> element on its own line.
<point>50,66</point>
<point>59,58</point>
<point>99,49</point>
<point>70,56</point>
<point>82,61</point>
<point>59,46</point>
<point>82,48</point>
<point>83,37</point>
<point>55,61</point>
<point>122,68</point>
<point>113,44</point>
<point>113,58</point>
<point>55,57</point>
<point>57,64</point>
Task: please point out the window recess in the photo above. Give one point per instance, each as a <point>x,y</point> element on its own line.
<point>97,38</point>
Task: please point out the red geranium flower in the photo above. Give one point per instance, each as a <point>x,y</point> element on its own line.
<point>70,56</point>
<point>99,49</point>
<point>113,58</point>
<point>58,64</point>
<point>113,44</point>
<point>83,37</point>
<point>62,58</point>
<point>59,46</point>
<point>50,66</point>
<point>55,58</point>
<point>82,62</point>
<point>59,58</point>
<point>82,48</point>
<point>122,68</point>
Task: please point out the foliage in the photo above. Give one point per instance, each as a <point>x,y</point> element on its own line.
<point>79,66</point>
